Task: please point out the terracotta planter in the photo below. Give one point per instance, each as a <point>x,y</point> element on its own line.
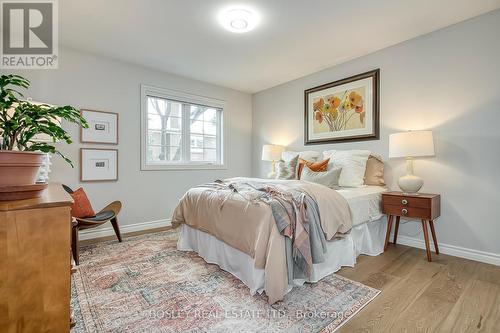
<point>19,167</point>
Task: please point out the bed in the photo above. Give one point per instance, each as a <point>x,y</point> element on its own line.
<point>364,236</point>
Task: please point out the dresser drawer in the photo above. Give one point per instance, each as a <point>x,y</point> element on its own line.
<point>407,211</point>
<point>406,201</point>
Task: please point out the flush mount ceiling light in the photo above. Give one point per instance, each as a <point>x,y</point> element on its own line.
<point>238,20</point>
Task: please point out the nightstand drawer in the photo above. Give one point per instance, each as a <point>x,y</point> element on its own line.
<point>406,211</point>
<point>406,201</point>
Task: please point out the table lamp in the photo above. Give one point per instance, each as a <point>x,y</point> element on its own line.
<point>272,153</point>
<point>409,145</point>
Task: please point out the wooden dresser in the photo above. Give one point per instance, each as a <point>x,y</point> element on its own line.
<point>35,263</point>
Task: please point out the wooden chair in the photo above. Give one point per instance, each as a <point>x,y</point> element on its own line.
<point>108,213</point>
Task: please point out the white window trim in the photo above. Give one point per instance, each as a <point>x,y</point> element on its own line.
<point>180,96</point>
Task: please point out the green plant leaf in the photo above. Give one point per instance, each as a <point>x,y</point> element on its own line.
<point>19,128</point>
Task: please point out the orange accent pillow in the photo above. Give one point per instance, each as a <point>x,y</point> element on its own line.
<point>314,166</point>
<point>81,206</point>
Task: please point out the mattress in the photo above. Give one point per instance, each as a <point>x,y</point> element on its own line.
<point>366,237</point>
<point>365,202</point>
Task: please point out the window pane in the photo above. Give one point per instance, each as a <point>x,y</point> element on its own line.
<point>164,107</point>
<point>164,138</point>
<point>210,142</point>
<point>153,154</point>
<point>196,112</point>
<point>210,155</point>
<point>210,115</point>
<point>154,122</point>
<point>175,153</point>
<point>154,137</point>
<point>174,123</point>
<point>197,127</point>
<point>176,109</point>
<point>196,141</point>
<point>173,139</point>
<point>197,155</point>
<point>164,154</point>
<point>210,128</point>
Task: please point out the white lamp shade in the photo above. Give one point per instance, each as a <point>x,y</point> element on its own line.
<point>272,152</point>
<point>411,144</point>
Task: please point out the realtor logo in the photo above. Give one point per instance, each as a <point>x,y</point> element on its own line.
<point>29,34</point>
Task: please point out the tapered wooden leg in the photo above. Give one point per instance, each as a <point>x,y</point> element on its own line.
<point>114,223</point>
<point>388,233</point>
<point>433,232</point>
<point>75,247</point>
<point>396,229</point>
<point>426,238</point>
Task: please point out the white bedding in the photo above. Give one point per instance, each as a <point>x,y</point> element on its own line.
<point>366,237</point>
<point>365,202</point>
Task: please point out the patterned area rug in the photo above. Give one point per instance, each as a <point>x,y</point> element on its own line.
<point>145,285</point>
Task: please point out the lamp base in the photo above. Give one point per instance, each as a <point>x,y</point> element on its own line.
<point>272,174</point>
<point>410,184</point>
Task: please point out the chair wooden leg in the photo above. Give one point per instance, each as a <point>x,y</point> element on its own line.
<point>433,232</point>
<point>389,227</point>
<point>75,247</point>
<point>396,229</point>
<point>114,223</point>
<point>426,238</point>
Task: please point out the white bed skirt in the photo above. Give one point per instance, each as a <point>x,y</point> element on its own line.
<point>367,238</point>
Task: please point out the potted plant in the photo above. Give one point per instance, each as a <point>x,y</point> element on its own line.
<point>20,122</point>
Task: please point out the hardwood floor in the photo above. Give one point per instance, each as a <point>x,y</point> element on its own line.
<point>448,294</point>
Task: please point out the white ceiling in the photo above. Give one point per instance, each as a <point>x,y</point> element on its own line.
<point>293,39</point>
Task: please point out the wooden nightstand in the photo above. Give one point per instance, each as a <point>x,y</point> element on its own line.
<point>423,206</point>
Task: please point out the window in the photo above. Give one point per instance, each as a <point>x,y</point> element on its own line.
<point>181,131</point>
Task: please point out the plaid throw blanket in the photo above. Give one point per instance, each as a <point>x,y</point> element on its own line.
<point>296,215</point>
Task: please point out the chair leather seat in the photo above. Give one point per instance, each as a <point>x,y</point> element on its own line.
<point>101,216</point>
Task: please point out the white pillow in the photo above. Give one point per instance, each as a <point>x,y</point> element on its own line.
<point>307,155</point>
<point>288,169</point>
<point>328,178</point>
<point>353,164</point>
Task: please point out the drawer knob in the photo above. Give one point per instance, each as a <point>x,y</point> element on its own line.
<point>404,202</point>
<point>404,211</point>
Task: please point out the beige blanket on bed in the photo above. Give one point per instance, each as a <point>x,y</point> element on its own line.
<point>251,229</point>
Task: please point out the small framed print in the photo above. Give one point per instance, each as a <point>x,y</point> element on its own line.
<point>103,127</point>
<point>98,165</point>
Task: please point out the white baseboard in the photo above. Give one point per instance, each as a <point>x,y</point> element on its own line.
<point>108,230</point>
<point>452,250</point>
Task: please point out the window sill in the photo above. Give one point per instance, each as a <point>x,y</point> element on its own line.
<point>183,167</point>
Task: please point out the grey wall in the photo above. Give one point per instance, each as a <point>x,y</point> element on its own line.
<point>447,81</point>
<point>86,81</point>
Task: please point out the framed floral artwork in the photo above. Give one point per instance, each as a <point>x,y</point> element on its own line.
<point>344,110</point>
